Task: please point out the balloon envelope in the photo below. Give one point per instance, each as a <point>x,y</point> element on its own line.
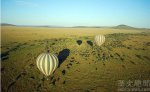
<point>47,63</point>
<point>99,39</point>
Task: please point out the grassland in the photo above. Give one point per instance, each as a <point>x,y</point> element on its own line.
<point>84,68</point>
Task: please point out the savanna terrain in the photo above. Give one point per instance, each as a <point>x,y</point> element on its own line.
<point>84,67</point>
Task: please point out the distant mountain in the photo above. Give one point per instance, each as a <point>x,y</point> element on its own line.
<point>123,27</point>
<point>86,27</point>
<point>6,24</point>
<point>116,27</point>
<point>49,26</point>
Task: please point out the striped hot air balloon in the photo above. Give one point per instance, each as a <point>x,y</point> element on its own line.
<point>47,63</point>
<point>99,39</point>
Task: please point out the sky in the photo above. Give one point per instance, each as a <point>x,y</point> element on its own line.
<point>134,13</point>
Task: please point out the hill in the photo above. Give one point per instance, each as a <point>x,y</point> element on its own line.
<point>6,24</point>
<point>122,26</point>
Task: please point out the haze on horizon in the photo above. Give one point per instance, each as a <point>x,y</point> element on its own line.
<point>134,13</point>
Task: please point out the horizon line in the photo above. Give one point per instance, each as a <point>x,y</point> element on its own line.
<point>55,26</point>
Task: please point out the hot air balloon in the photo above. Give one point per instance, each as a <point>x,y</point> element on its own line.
<point>47,63</point>
<point>99,39</point>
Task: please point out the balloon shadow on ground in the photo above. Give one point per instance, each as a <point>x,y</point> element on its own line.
<point>63,55</point>
<point>79,42</point>
<point>90,43</point>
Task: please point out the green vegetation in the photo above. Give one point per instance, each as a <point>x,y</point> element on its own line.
<point>86,68</point>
